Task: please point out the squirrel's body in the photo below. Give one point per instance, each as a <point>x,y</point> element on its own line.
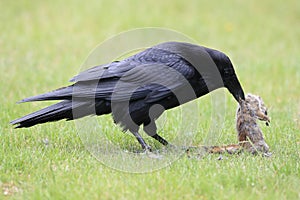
<point>250,136</point>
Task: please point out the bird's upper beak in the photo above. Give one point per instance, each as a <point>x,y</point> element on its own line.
<point>235,88</point>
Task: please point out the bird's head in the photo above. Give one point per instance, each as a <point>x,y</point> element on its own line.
<point>228,75</point>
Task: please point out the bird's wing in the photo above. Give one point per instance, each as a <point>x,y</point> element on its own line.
<point>152,74</point>
<point>112,70</point>
<point>150,81</point>
<point>116,69</point>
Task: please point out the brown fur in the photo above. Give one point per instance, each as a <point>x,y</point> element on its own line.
<point>250,136</point>
<point>231,149</point>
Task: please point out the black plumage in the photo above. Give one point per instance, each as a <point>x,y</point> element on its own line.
<point>168,74</point>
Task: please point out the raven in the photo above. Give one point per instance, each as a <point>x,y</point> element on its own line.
<point>168,74</point>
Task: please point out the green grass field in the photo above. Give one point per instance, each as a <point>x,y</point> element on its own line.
<point>44,43</point>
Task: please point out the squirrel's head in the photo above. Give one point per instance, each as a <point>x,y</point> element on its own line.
<point>255,107</point>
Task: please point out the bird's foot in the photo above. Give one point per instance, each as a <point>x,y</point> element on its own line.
<point>150,153</point>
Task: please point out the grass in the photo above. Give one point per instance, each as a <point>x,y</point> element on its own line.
<point>43,44</point>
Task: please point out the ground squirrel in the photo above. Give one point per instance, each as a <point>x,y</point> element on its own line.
<point>249,134</point>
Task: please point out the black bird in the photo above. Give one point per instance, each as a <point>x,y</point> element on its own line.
<point>168,74</point>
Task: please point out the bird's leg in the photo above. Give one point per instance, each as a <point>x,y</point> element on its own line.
<point>151,129</point>
<point>144,145</point>
<point>160,139</point>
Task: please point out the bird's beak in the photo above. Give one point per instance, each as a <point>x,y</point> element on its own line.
<point>235,88</point>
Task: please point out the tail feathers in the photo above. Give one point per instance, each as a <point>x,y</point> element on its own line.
<point>59,94</point>
<point>63,110</point>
